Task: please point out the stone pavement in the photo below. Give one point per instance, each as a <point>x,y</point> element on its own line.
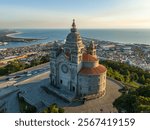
<point>68,96</point>
<point>102,104</point>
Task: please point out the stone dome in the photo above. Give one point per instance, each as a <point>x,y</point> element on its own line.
<point>73,36</point>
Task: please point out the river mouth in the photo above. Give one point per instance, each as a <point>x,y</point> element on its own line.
<point>15,35</point>
<point>10,37</point>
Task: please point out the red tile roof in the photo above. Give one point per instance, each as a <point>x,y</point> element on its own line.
<point>93,71</point>
<point>88,58</point>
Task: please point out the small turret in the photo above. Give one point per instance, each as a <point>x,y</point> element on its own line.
<point>55,50</point>
<point>92,49</point>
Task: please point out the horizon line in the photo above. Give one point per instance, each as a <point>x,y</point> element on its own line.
<point>64,28</point>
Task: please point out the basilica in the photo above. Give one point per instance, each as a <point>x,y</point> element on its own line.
<point>75,68</point>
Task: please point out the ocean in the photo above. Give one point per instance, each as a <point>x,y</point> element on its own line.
<point>124,36</point>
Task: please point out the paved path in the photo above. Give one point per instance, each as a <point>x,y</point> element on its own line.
<point>12,103</point>
<point>103,104</point>
<point>6,84</point>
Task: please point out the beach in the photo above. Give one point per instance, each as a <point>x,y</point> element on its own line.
<point>9,37</point>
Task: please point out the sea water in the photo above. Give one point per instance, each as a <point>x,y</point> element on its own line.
<point>124,36</point>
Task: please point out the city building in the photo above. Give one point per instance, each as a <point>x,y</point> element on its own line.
<point>75,68</point>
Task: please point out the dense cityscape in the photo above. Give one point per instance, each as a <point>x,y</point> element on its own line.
<point>25,54</point>
<point>133,54</point>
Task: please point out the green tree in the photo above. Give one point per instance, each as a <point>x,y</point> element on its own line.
<point>110,72</point>
<point>35,62</point>
<point>143,108</point>
<point>143,91</point>
<point>53,108</point>
<point>125,72</point>
<point>44,59</point>
<point>142,79</point>
<point>147,81</point>
<point>14,66</point>
<point>136,74</point>
<point>127,78</point>
<point>136,100</point>
<point>3,71</point>
<point>126,103</point>
<point>144,100</point>
<point>136,77</point>
<point>118,76</point>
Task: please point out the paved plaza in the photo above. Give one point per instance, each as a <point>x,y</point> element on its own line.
<point>103,104</point>
<point>33,92</point>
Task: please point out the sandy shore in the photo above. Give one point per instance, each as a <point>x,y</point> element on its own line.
<point>13,34</point>
<point>10,37</point>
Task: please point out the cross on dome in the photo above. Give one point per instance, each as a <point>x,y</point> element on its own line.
<point>73,29</point>
<point>73,24</point>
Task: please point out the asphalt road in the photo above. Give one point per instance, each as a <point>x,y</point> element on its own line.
<point>20,76</point>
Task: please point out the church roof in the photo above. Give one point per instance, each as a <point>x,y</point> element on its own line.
<point>93,71</point>
<point>73,37</point>
<point>88,58</point>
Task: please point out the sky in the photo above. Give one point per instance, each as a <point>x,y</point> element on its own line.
<point>87,13</point>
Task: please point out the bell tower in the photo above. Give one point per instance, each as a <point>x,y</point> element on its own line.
<point>92,49</point>
<point>74,46</point>
<point>73,49</point>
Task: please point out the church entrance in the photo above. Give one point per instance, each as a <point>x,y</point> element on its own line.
<point>52,82</point>
<point>61,81</point>
<point>73,89</point>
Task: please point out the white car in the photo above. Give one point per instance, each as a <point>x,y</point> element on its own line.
<point>29,74</point>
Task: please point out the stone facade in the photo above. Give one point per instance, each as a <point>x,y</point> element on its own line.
<point>76,69</point>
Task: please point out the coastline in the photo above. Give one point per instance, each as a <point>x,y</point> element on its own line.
<point>115,42</point>
<point>21,41</point>
<point>8,37</point>
<point>13,34</point>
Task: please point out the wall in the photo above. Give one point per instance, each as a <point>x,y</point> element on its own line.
<point>88,84</point>
<point>64,77</point>
<point>91,84</point>
<point>102,84</point>
<point>90,64</point>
